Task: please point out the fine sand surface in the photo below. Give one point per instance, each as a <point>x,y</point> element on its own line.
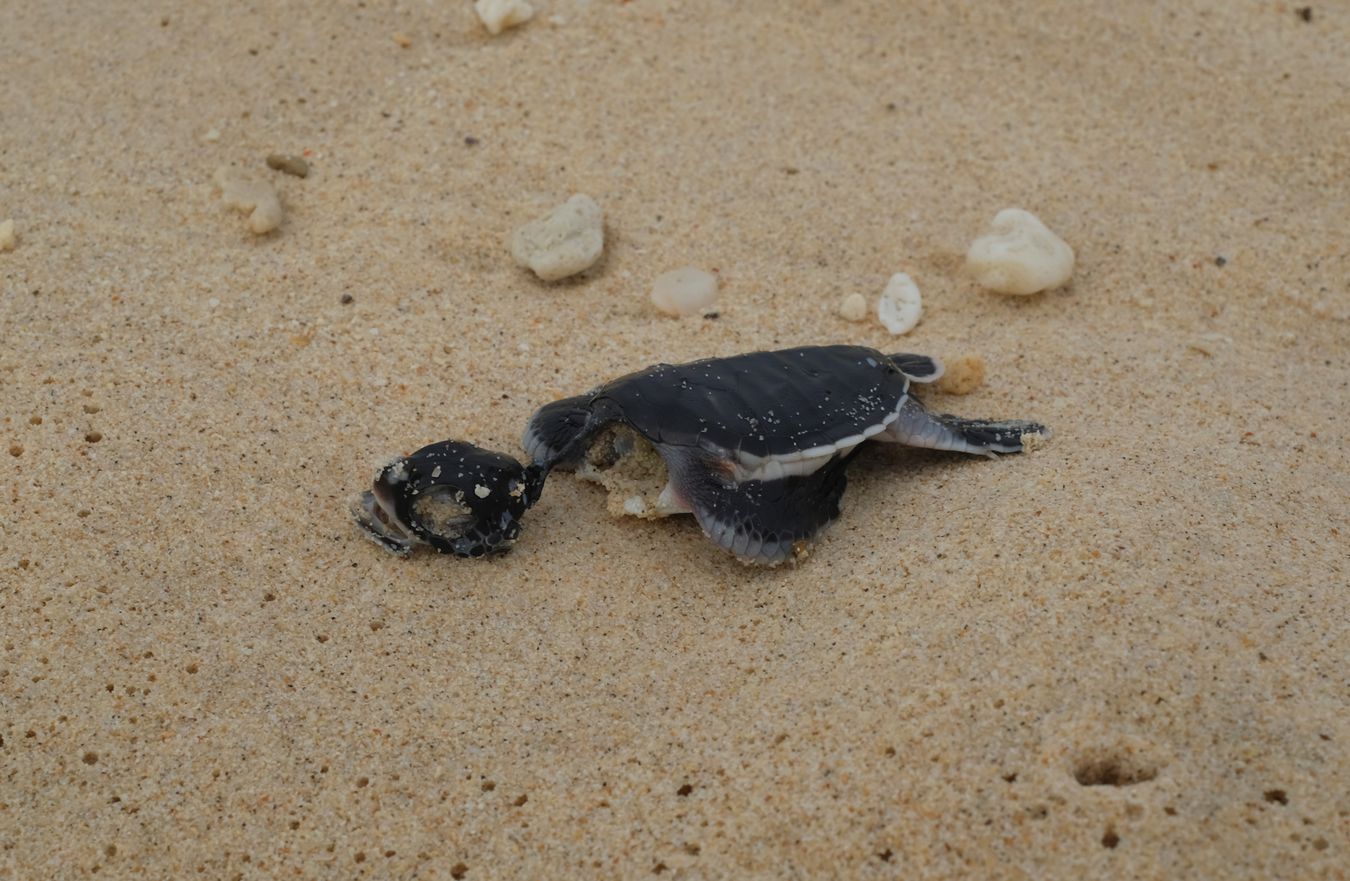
<point>1123,655</point>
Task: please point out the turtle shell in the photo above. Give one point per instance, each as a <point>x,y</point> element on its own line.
<point>786,406</point>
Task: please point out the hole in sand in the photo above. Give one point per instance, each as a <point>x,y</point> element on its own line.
<point>1110,839</point>
<point>1278,796</point>
<point>1114,770</point>
<point>94,437</point>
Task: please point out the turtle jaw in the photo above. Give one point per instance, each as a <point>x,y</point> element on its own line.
<point>373,511</point>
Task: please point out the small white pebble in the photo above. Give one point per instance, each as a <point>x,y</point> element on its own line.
<point>213,302</point>
<point>563,242</point>
<point>8,239</point>
<point>686,291</point>
<point>901,305</point>
<point>212,135</point>
<point>854,308</point>
<point>498,15</point>
<point>1019,255</point>
<point>247,193</point>
<point>635,506</point>
<point>481,491</point>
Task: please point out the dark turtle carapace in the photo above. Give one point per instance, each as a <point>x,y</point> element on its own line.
<point>755,446</point>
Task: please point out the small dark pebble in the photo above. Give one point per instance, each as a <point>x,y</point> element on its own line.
<point>470,141</point>
<point>295,165</point>
<point>347,299</point>
<point>713,316</point>
<point>1220,261</point>
<point>890,106</point>
<point>1305,13</point>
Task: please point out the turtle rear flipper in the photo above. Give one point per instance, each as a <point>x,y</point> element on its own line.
<point>918,427</point>
<point>760,521</point>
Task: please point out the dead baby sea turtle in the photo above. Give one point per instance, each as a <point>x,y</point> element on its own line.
<point>755,446</point>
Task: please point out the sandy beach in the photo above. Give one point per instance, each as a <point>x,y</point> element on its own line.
<point>1122,655</point>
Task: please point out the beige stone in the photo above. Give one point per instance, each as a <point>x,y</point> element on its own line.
<point>500,15</point>
<point>252,195</point>
<point>566,241</point>
<point>685,291</point>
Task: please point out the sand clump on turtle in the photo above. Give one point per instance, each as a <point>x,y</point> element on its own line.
<point>755,446</point>
<point>632,472</point>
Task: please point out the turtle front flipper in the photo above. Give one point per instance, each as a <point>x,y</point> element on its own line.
<point>916,426</point>
<point>553,434</point>
<point>759,521</point>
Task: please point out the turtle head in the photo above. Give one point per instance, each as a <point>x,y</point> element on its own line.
<point>453,496</point>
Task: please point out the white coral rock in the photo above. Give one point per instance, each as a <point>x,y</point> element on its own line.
<point>1019,255</point>
<point>901,305</point>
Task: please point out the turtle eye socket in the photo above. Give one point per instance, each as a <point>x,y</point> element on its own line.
<point>440,511</point>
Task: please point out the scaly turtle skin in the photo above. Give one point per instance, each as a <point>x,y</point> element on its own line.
<point>755,446</point>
